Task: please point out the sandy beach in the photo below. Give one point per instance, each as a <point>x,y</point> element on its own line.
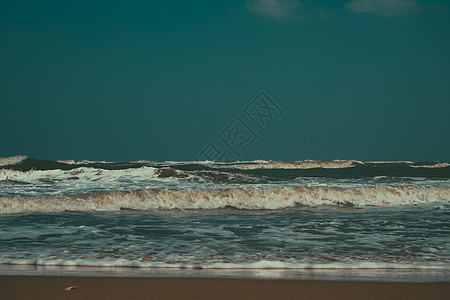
<point>28,287</point>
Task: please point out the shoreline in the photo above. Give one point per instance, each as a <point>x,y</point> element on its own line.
<point>49,287</point>
<point>423,275</point>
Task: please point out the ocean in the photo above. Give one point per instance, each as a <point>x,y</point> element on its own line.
<point>253,218</point>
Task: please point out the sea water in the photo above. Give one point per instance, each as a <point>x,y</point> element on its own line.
<point>259,215</point>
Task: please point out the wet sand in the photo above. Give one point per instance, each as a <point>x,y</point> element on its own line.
<point>99,288</point>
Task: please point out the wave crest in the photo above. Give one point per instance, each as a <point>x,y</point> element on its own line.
<point>12,160</point>
<point>240,198</point>
<point>436,165</point>
<point>306,164</point>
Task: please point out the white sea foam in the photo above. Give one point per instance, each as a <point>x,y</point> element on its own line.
<point>79,180</point>
<point>436,165</point>
<point>67,161</point>
<point>389,162</point>
<point>264,164</point>
<point>261,265</point>
<point>5,161</point>
<point>241,198</point>
<point>306,164</point>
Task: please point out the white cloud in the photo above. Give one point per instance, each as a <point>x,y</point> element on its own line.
<point>275,9</point>
<point>383,7</point>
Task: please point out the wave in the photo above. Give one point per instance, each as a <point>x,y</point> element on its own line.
<point>436,165</point>
<point>87,177</point>
<point>12,160</point>
<point>306,164</point>
<point>273,265</point>
<point>25,163</point>
<point>239,198</point>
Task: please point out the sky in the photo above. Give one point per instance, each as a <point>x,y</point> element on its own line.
<point>185,80</point>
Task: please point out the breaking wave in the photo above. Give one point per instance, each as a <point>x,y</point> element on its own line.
<point>33,185</point>
<point>239,198</point>
<point>436,165</point>
<point>306,168</point>
<point>306,164</point>
<point>12,160</point>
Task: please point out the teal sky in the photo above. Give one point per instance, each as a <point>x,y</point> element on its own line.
<point>159,80</point>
